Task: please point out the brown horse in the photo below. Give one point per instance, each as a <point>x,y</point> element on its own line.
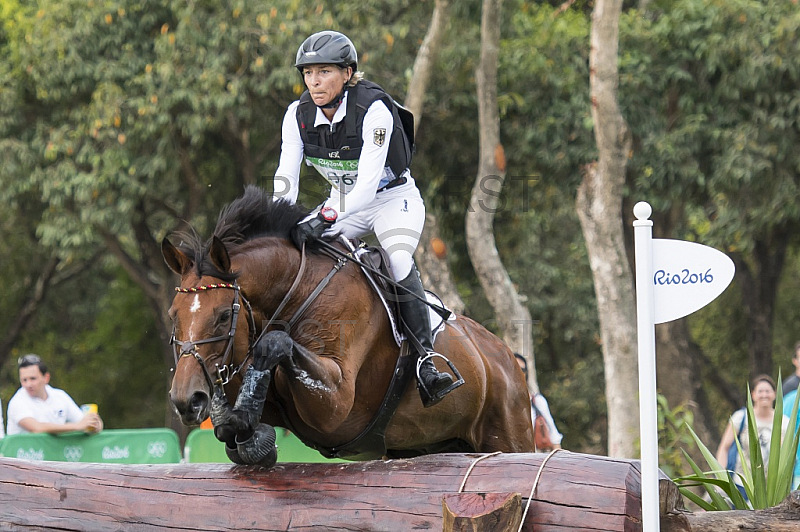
<point>319,365</point>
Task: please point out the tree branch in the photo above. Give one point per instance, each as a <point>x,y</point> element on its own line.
<point>137,271</point>
<point>36,295</point>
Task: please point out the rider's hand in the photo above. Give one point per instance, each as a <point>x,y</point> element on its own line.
<point>313,228</point>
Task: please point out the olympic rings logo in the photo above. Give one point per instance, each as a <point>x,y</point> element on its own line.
<point>73,453</point>
<point>157,448</point>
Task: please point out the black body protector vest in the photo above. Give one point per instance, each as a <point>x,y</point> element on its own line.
<point>334,151</point>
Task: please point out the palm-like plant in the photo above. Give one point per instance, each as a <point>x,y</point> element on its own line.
<point>764,488</point>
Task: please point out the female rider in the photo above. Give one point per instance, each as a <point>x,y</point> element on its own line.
<point>350,131</point>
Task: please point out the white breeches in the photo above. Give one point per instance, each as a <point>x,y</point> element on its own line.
<point>397,217</point>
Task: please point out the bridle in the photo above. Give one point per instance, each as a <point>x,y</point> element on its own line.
<point>228,370</point>
<point>185,348</point>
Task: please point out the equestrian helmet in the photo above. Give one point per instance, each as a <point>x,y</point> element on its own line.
<point>327,48</point>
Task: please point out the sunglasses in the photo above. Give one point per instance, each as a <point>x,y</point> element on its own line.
<point>29,360</point>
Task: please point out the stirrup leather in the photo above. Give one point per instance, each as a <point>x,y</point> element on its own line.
<point>429,398</point>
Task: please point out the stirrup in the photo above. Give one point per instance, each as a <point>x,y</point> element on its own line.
<point>429,399</point>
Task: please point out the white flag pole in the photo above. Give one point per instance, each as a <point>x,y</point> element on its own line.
<point>645,317</point>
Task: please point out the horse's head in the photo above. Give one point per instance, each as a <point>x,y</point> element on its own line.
<point>210,337</point>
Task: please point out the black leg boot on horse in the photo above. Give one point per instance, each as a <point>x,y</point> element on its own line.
<point>247,441</point>
<point>433,385</point>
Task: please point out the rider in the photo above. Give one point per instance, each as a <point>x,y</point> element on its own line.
<point>350,131</point>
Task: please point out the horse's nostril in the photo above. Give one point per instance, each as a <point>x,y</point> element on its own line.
<point>198,402</point>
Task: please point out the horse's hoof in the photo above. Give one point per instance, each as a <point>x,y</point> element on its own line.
<point>225,433</point>
<point>233,455</point>
<point>260,448</point>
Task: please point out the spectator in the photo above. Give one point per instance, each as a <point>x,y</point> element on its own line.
<point>763,392</point>
<point>791,382</point>
<point>38,407</point>
<point>538,402</point>
<point>788,403</point>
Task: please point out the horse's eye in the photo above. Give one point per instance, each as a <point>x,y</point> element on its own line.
<point>225,317</point>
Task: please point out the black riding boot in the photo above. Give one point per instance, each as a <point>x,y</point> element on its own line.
<point>433,385</point>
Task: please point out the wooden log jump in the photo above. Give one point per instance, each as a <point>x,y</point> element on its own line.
<point>575,491</point>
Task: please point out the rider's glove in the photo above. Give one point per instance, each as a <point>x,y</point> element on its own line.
<point>312,229</point>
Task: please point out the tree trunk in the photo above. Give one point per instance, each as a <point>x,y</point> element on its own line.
<point>513,317</point>
<point>426,58</point>
<point>758,277</point>
<point>680,380</point>
<point>431,259</point>
<point>431,256</point>
<point>599,205</point>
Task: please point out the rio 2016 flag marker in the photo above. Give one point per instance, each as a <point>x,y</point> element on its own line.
<point>673,279</point>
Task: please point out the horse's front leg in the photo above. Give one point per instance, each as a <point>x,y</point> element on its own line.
<point>327,391</point>
<point>246,440</point>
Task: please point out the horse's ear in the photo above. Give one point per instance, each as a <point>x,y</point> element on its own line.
<point>219,255</point>
<point>176,259</point>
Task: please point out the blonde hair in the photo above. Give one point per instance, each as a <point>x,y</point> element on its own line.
<point>355,78</point>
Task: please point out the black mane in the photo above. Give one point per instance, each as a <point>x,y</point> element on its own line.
<point>255,214</point>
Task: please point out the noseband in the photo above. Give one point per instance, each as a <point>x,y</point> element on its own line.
<point>189,348</point>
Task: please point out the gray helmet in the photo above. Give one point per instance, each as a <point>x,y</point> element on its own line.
<point>327,48</point>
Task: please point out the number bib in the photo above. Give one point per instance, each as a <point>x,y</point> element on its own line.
<point>341,174</point>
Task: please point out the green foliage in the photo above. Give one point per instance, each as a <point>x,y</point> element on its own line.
<point>709,89</point>
<point>724,346</point>
<point>764,488</point>
<point>122,351</point>
<point>674,427</point>
<point>546,110</point>
<point>577,401</point>
<point>787,314</point>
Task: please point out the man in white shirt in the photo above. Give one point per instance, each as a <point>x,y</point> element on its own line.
<point>38,407</point>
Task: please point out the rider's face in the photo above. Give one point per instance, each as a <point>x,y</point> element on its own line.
<point>325,82</point>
